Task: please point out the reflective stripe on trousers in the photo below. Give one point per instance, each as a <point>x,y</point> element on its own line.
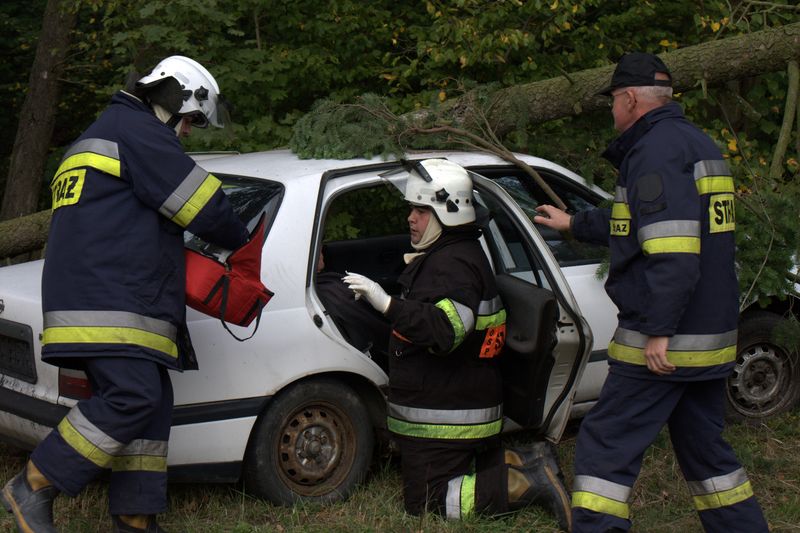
<point>460,500</point>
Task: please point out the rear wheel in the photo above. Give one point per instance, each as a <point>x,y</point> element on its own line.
<point>766,378</point>
<point>313,443</point>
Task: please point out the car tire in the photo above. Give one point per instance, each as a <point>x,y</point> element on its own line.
<point>766,377</point>
<point>312,444</point>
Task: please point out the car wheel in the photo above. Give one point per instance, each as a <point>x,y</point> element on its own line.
<point>313,443</point>
<point>766,378</point>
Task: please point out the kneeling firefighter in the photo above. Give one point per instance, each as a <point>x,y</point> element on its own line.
<point>445,386</point>
<point>113,294</point>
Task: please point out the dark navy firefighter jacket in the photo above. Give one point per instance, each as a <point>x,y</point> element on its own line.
<point>114,273</point>
<point>671,236</point>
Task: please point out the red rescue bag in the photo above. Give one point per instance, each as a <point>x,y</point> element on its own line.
<point>231,291</point>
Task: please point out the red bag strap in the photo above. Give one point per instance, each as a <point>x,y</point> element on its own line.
<point>225,288</point>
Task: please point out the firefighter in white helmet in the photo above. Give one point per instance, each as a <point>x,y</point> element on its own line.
<point>113,294</point>
<point>445,389</point>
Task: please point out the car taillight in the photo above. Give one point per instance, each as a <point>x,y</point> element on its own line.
<point>73,384</point>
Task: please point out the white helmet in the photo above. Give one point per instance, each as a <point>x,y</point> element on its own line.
<point>444,186</point>
<point>199,92</point>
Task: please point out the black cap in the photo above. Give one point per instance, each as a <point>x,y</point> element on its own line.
<point>638,69</point>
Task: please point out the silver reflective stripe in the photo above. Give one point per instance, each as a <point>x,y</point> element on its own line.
<point>711,167</point>
<point>157,448</point>
<point>446,416</point>
<point>466,315</point>
<point>118,319</point>
<point>490,307</point>
<point>621,194</point>
<point>718,484</point>
<point>453,500</point>
<point>601,487</point>
<point>97,146</point>
<point>175,202</point>
<point>92,433</point>
<point>670,228</point>
<point>713,341</point>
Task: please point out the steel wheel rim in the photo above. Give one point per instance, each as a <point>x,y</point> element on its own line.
<point>761,379</point>
<point>316,448</point>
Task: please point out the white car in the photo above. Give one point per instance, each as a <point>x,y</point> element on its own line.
<point>296,410</point>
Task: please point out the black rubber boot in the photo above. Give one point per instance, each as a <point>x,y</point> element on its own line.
<point>32,509</point>
<point>537,484</point>
<point>122,527</point>
<point>526,455</point>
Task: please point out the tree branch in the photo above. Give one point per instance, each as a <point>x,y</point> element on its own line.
<point>776,169</point>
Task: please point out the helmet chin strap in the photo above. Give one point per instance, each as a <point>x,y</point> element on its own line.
<point>173,120</point>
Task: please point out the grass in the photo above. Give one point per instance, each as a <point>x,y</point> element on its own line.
<point>769,452</point>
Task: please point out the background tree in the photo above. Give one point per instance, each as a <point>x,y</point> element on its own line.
<point>37,114</point>
<point>275,59</point>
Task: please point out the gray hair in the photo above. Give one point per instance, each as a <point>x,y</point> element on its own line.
<point>653,92</point>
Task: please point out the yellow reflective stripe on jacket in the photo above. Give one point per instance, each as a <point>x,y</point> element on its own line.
<point>713,176</point>
<point>714,184</point>
<point>99,154</point>
<point>444,431</point>
<point>723,498</point>
<point>112,327</point>
<point>600,504</point>
<point>445,416</point>
<point>491,314</point>
<point>461,319</point>
<point>190,197</point>
<point>107,335</point>
<point>692,350</point>
<point>629,354</point>
<point>95,161</point>
<point>672,245</point>
<point>620,211</point>
<point>670,236</point>
<point>600,495</point>
<point>491,321</point>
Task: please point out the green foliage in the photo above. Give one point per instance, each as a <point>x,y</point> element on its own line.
<point>344,131</point>
<point>371,212</point>
<point>274,60</point>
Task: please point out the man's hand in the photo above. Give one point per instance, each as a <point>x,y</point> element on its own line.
<point>371,291</point>
<point>552,217</point>
<point>655,353</point>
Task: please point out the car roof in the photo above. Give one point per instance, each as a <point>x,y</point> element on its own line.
<point>284,165</point>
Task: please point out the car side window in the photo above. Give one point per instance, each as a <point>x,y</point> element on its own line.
<point>249,198</point>
<point>509,251</point>
<point>529,195</point>
<point>366,231</point>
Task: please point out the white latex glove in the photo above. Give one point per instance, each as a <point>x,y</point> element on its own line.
<point>371,291</point>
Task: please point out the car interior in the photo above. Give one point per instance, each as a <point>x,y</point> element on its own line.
<point>373,244</point>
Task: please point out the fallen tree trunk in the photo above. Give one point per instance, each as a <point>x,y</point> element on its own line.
<point>710,63</point>
<point>24,234</point>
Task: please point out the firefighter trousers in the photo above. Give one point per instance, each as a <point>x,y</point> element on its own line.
<point>627,418</point>
<point>124,427</point>
<point>453,479</point>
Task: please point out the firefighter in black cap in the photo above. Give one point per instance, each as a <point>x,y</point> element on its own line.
<point>673,278</point>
